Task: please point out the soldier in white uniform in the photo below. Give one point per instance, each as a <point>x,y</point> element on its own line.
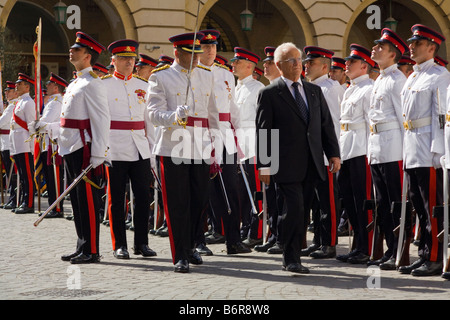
<point>83,138</point>
<point>23,113</point>
<point>247,89</point>
<point>353,144</point>
<point>405,65</point>
<point>326,218</point>
<point>145,66</point>
<point>53,164</point>
<point>423,97</point>
<point>446,273</point>
<point>229,122</point>
<point>386,139</point>
<point>337,71</point>
<point>184,142</point>
<point>129,150</point>
<point>5,123</point>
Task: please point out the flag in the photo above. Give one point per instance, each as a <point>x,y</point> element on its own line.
<point>39,101</point>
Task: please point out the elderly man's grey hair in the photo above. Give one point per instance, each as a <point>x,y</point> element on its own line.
<point>282,48</point>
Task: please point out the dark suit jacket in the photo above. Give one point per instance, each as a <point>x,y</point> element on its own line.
<point>298,143</point>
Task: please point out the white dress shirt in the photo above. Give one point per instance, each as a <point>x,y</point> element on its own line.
<point>25,110</point>
<point>5,124</point>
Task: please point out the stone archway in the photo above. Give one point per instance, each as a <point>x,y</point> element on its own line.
<point>407,13</point>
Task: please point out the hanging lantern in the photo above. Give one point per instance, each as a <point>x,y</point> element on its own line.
<point>60,10</point>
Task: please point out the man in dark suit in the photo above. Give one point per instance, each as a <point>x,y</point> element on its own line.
<point>294,129</point>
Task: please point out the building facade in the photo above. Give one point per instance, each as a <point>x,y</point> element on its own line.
<point>330,24</point>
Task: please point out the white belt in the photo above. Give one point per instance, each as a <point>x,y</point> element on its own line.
<point>418,123</point>
<point>380,127</point>
<point>352,126</point>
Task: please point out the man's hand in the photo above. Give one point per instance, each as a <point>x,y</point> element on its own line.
<point>96,161</point>
<point>334,164</point>
<point>182,112</point>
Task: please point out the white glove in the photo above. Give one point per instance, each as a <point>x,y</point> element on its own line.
<point>182,112</point>
<point>53,130</point>
<point>436,160</point>
<point>96,161</point>
<point>34,126</point>
<point>442,160</point>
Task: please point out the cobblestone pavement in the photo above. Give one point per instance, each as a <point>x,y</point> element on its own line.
<point>31,269</point>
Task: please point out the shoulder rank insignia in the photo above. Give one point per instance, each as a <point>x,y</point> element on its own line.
<point>204,68</point>
<point>161,68</point>
<point>106,76</point>
<point>222,66</point>
<point>93,74</point>
<point>139,77</point>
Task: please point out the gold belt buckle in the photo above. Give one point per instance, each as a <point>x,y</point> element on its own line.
<point>373,128</point>
<point>344,126</point>
<point>407,125</point>
<point>447,117</point>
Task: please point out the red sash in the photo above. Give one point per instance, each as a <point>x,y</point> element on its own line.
<point>127,125</point>
<point>18,120</point>
<point>81,125</point>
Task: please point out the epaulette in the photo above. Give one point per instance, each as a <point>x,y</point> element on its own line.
<point>106,76</point>
<point>139,77</point>
<point>221,66</point>
<point>204,68</point>
<point>161,68</point>
<point>93,74</point>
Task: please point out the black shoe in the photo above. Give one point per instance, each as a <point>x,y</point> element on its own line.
<point>55,214</point>
<point>195,258</point>
<point>203,250</point>
<point>407,269</point>
<point>360,258</point>
<point>249,242</point>
<point>342,232</point>
<point>388,265</point>
<point>345,257</point>
<point>121,253</point>
<point>377,262</point>
<point>24,209</point>
<point>296,268</point>
<point>263,247</point>
<point>85,258</point>
<point>215,238</point>
<point>275,249</point>
<point>162,232</point>
<point>307,251</point>
<point>144,251</point>
<point>446,275</point>
<point>428,268</point>
<point>238,247</point>
<point>324,252</point>
<point>182,266</point>
<point>9,206</point>
<point>67,257</point>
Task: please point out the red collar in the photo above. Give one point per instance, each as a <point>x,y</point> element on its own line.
<point>121,76</point>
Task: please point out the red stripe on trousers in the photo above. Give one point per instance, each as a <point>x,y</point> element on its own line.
<point>166,209</point>
<point>433,221</point>
<point>332,208</point>
<point>111,220</point>
<point>258,189</point>
<point>30,181</point>
<point>92,218</point>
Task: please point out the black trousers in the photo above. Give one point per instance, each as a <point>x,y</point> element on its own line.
<point>217,202</point>
<point>352,184</point>
<point>13,179</point>
<point>386,178</point>
<point>298,197</point>
<point>49,171</point>
<point>185,194</point>
<point>425,192</point>
<point>139,173</point>
<point>326,216</point>
<point>25,168</point>
<point>85,206</point>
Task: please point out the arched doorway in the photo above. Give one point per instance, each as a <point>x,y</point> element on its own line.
<point>405,12</point>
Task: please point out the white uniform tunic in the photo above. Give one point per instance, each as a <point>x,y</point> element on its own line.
<point>126,100</point>
<point>25,110</point>
<point>167,90</point>
<point>333,93</point>
<point>447,131</point>
<point>354,118</point>
<point>85,98</point>
<point>224,89</point>
<point>246,99</point>
<point>385,115</point>
<point>51,113</point>
<point>5,124</point>
<point>423,97</point>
